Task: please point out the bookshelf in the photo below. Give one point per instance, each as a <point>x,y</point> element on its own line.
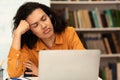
<point>110,61</point>
<point>88,5</point>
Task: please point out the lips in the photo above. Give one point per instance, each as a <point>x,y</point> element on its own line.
<point>46,31</point>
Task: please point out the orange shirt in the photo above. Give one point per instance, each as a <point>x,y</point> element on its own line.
<point>67,40</point>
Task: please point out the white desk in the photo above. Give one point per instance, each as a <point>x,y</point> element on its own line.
<point>36,78</point>
<point>30,78</point>
<point>27,78</point>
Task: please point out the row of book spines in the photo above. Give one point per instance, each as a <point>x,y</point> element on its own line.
<point>111,71</point>
<point>89,19</point>
<point>109,18</point>
<point>107,43</point>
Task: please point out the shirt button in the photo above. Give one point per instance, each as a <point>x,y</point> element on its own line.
<point>17,55</point>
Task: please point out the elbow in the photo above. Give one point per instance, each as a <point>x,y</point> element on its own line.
<point>13,74</point>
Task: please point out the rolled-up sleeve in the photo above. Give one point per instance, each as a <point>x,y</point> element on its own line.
<point>15,62</point>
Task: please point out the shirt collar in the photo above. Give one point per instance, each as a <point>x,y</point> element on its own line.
<point>41,46</point>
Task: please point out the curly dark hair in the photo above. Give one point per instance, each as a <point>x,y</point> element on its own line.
<point>25,10</point>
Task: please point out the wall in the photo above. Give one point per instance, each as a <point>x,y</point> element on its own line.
<point>8,9</point>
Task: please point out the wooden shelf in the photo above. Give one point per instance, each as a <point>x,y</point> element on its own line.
<point>84,2</point>
<point>110,55</point>
<point>116,29</point>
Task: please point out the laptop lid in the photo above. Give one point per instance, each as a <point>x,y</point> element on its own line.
<point>69,64</point>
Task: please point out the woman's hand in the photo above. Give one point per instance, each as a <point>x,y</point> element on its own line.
<point>22,27</point>
<point>32,67</point>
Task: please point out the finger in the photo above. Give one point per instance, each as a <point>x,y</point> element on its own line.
<point>28,72</point>
<point>29,62</point>
<point>27,65</point>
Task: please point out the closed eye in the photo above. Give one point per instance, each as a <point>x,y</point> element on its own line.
<point>44,17</point>
<point>34,25</point>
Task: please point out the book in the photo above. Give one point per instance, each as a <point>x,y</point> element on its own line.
<point>115,37</point>
<point>86,18</point>
<point>92,19</point>
<point>113,67</point>
<point>98,17</point>
<point>95,20</point>
<point>71,20</point>
<point>104,21</point>
<point>107,46</point>
<point>110,41</point>
<point>79,15</point>
<point>112,16</point>
<point>75,18</point>
<point>82,22</point>
<point>108,73</point>
<point>108,16</point>
<point>118,71</point>
<point>94,41</point>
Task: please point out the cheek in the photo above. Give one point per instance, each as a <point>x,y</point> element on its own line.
<point>36,31</point>
<point>49,22</point>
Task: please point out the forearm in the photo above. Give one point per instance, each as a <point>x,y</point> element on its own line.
<point>15,63</point>
<point>21,29</point>
<point>14,69</point>
<point>16,43</point>
<point>17,55</point>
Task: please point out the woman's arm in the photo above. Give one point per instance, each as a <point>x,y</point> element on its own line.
<point>21,29</point>
<point>16,57</point>
<point>15,66</point>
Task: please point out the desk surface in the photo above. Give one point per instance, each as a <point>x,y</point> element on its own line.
<point>26,78</point>
<point>36,78</point>
<point>31,78</point>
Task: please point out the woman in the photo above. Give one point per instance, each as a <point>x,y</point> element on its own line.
<point>36,27</point>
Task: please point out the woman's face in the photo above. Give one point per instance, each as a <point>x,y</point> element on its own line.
<point>40,24</point>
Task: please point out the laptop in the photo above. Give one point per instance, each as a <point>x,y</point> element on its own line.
<point>69,64</point>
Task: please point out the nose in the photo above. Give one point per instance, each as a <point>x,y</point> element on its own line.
<point>43,25</point>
